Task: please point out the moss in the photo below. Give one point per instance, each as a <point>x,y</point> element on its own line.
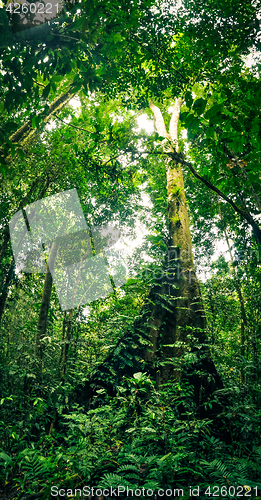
<point>176,190</point>
<point>175,219</point>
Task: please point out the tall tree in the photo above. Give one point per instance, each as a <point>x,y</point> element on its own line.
<point>155,54</point>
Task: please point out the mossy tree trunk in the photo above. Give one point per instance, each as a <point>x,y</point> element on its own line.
<point>188,317</point>
<point>25,135</point>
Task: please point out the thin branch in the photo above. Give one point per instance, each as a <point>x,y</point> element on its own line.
<point>180,159</point>
<point>73,126</point>
<point>38,83</point>
<point>68,37</point>
<point>114,158</point>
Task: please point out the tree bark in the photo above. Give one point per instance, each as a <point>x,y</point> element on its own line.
<point>6,237</point>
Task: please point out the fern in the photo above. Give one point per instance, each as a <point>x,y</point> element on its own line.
<point>219,470</point>
<point>113,481</point>
<point>128,467</point>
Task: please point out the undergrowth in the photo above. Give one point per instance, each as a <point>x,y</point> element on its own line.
<point>142,439</point>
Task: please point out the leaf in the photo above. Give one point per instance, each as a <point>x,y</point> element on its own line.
<point>5,457</point>
<point>188,99</point>
<point>57,78</point>
<point>213,111</point>
<point>33,121</point>
<point>77,87</point>
<point>194,125</point>
<point>189,119</point>
<point>21,153</point>
<point>13,150</point>
<point>165,456</point>
<point>77,25</point>
<point>183,116</point>
<point>46,91</point>
<point>210,133</point>
<point>199,105</point>
<point>117,37</point>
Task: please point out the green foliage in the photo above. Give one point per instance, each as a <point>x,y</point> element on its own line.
<point>127,431</point>
<point>135,439</point>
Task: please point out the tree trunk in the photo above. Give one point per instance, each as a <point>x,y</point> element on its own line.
<point>63,335</point>
<point>45,303</point>
<point>188,314</point>
<point>5,288</point>
<point>66,344</point>
<point>26,133</point>
<point>6,238</point>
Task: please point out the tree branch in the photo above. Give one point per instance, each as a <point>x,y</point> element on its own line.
<point>21,134</point>
<point>180,159</point>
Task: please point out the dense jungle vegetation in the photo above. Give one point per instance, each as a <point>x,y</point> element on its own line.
<point>153,389</point>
